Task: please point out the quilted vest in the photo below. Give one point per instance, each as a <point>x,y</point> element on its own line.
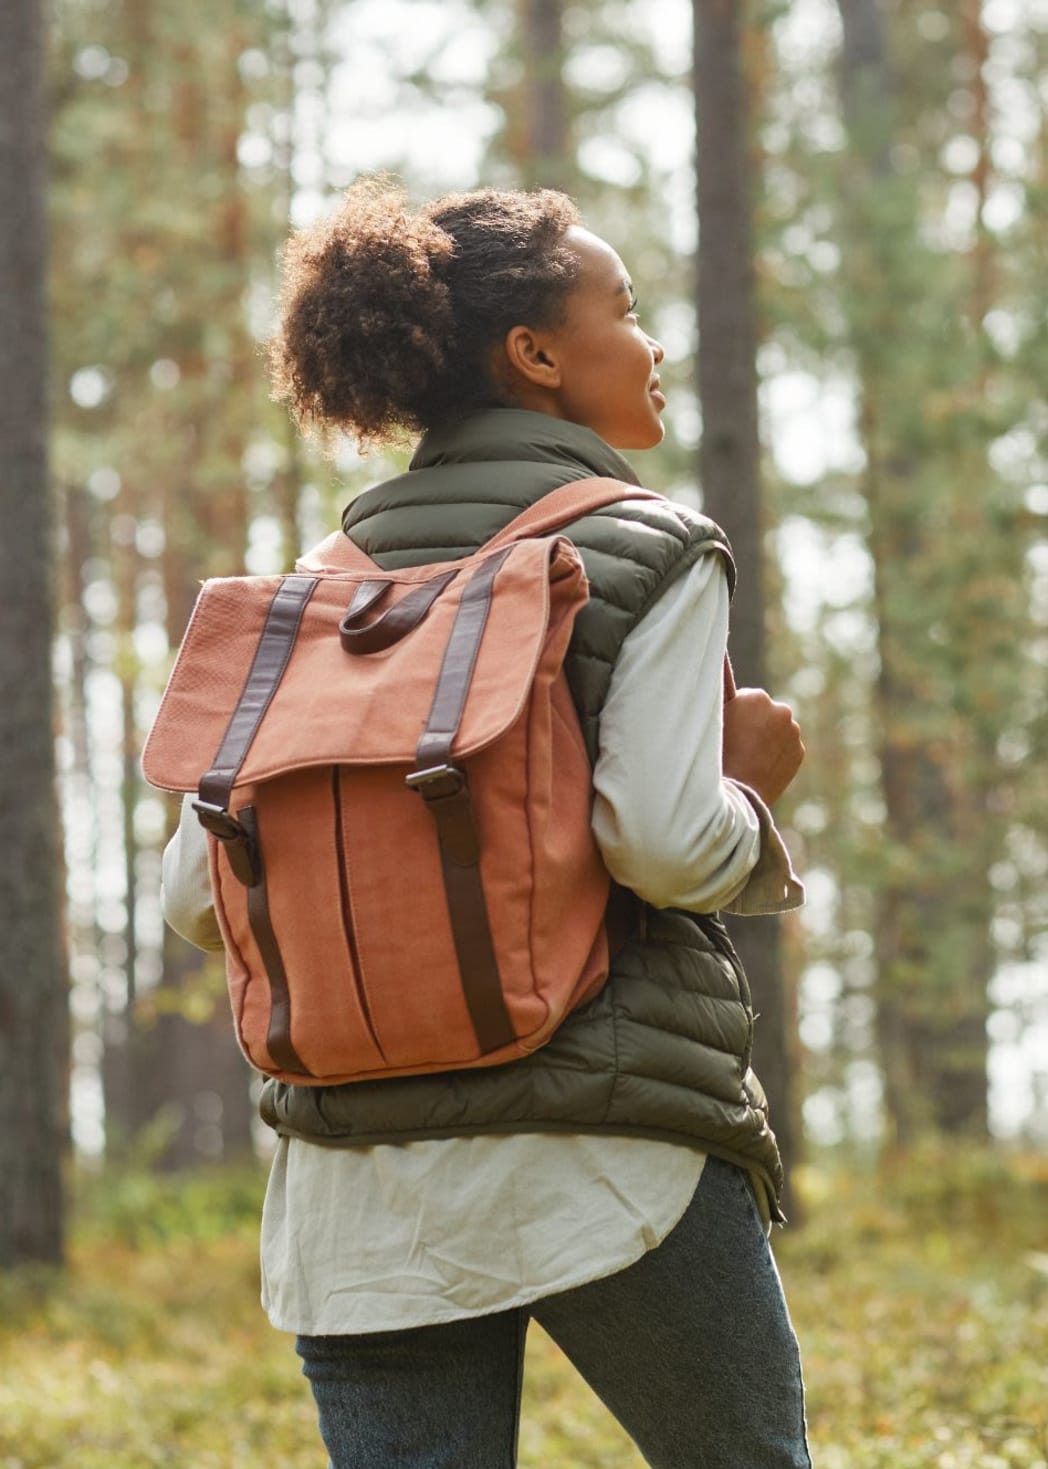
<point>664,1050</point>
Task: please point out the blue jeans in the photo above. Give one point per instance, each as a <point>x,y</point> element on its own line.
<point>691,1349</point>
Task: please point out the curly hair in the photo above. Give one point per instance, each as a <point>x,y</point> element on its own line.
<point>388,318</point>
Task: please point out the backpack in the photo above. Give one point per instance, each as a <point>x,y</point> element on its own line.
<point>397,793</point>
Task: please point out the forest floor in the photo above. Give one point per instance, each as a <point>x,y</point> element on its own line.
<point>919,1293</point>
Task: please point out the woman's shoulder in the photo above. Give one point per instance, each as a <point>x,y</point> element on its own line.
<point>660,535</point>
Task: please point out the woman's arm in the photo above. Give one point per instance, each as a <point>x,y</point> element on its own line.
<point>185,888</point>
<point>670,824</point>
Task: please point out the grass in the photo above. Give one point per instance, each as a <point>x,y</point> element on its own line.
<point>920,1295</point>
<point>921,1301</point>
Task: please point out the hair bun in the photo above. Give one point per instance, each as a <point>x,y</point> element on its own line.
<point>389,318</point>
<point>359,287</point>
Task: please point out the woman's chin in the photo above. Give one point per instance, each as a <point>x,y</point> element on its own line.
<point>646,438</point>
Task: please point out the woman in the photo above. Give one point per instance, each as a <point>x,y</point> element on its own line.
<point>617,1185</point>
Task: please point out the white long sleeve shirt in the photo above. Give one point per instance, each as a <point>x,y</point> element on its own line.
<point>400,1235</point>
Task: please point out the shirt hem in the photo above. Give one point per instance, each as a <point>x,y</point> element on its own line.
<point>524,1297</point>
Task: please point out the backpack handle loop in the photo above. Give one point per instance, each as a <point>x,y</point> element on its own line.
<point>395,623</point>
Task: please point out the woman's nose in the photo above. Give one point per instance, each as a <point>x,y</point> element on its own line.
<point>657,350</point>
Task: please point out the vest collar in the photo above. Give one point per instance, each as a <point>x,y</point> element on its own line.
<point>500,434</point>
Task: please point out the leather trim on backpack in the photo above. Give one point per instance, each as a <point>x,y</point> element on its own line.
<point>239,834</point>
<point>445,790</point>
<point>274,650</point>
<point>278,1036</point>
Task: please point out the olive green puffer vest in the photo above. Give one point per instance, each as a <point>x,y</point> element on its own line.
<point>663,1051</point>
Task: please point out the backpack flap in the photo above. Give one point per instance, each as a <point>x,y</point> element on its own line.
<point>270,649</point>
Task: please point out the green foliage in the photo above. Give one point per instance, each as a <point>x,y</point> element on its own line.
<point>920,1296</point>
<point>919,1293</point>
<point>140,1208</point>
<point>885,272</point>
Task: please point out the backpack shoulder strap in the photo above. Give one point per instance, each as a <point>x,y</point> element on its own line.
<point>570,502</point>
<point>335,553</point>
<point>339,553</point>
<point>567,503</point>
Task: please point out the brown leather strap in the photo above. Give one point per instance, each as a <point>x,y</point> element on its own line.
<point>365,597</point>
<point>394,624</point>
<point>456,670</point>
<point>267,669</point>
<point>238,845</point>
<point>621,917</point>
<point>445,790</point>
<point>478,966</point>
<point>239,832</point>
<point>278,1037</point>
<point>457,667</point>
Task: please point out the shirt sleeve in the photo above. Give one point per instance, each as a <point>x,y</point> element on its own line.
<point>185,886</point>
<point>668,822</point>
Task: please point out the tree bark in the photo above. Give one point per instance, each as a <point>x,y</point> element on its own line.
<point>730,450</point>
<point>34,1043</point>
<point>538,129</point>
<point>190,1072</point>
<point>932,922</point>
<point>727,371</point>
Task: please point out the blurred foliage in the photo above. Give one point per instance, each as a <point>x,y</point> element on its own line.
<point>139,1208</point>
<point>919,1292</point>
<point>902,231</point>
<point>920,1295</point>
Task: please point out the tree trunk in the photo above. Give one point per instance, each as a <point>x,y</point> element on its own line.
<point>933,913</point>
<point>184,1084</point>
<point>34,1043</point>
<point>730,451</point>
<point>538,131</point>
<point>189,1072</point>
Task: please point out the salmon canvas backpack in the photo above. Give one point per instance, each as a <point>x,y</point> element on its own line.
<point>397,793</point>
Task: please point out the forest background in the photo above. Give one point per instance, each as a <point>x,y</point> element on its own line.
<point>864,412</point>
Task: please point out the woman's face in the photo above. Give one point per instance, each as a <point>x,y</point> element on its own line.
<point>606,364</point>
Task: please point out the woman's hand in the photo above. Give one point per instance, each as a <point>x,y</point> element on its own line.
<point>762,743</point>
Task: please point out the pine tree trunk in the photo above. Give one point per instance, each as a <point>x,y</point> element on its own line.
<point>196,1072</point>
<point>730,452</point>
<point>538,132</point>
<point>186,1081</point>
<point>33,980</point>
<point>932,924</point>
<point>547,109</point>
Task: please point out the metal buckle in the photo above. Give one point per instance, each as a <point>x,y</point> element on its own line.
<point>218,822</point>
<point>437,783</point>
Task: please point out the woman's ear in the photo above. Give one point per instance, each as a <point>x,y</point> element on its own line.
<point>532,357</point>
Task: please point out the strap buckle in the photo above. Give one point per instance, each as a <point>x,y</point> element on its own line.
<point>217,820</point>
<point>240,844</point>
<point>438,782</point>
